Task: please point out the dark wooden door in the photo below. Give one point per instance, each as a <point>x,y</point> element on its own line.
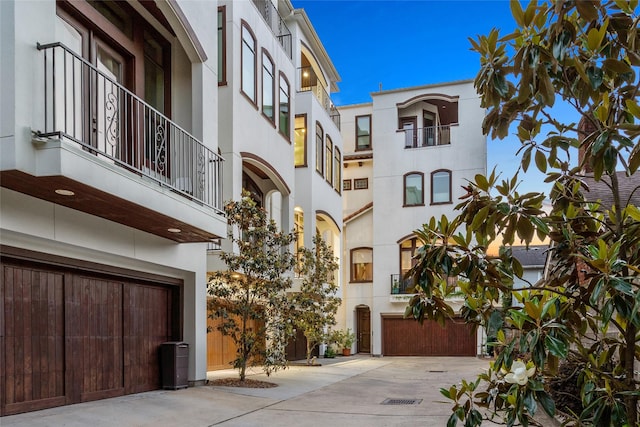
<point>364,329</point>
<point>297,347</point>
<point>406,337</point>
<point>31,339</point>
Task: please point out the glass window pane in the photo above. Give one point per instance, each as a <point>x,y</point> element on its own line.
<point>362,265</point>
<point>413,189</point>
<point>319,147</point>
<point>267,87</point>
<point>300,141</point>
<point>441,189</point>
<point>248,65</point>
<point>363,132</point>
<point>284,106</point>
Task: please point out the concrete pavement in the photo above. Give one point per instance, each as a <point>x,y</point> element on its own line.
<point>348,391</point>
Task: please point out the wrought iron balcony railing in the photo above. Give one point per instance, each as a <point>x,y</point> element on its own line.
<point>271,15</point>
<point>427,136</point>
<point>308,82</point>
<point>85,105</point>
<point>400,286</point>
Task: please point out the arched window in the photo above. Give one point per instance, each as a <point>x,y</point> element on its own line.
<point>268,85</point>
<point>248,63</point>
<point>319,148</point>
<point>284,108</point>
<point>440,186</point>
<point>362,265</point>
<point>414,189</point>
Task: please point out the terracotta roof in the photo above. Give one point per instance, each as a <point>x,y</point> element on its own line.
<point>359,156</point>
<point>358,212</point>
<point>600,191</point>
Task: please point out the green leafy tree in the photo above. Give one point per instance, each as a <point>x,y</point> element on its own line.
<point>249,297</point>
<point>316,305</point>
<point>584,54</point>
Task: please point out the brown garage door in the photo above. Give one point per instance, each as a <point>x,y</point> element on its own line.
<point>406,337</point>
<point>68,337</point>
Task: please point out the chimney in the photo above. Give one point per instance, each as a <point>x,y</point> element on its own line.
<point>585,128</point>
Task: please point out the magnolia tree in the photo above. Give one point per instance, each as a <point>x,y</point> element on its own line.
<point>316,304</point>
<point>249,297</point>
<point>586,55</point>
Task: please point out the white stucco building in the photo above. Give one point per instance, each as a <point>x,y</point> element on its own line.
<point>407,154</point>
<point>124,126</point>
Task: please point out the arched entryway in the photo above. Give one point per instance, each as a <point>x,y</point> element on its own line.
<point>363,329</point>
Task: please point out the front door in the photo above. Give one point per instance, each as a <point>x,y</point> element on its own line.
<point>364,329</point>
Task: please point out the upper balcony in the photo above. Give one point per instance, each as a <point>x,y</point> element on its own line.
<point>309,82</point>
<point>271,15</point>
<point>426,137</point>
<point>117,131</point>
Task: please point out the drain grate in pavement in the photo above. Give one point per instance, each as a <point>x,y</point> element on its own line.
<point>401,402</point>
<point>434,371</point>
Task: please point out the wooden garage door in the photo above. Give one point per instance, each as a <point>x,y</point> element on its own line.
<point>406,337</point>
<point>69,337</point>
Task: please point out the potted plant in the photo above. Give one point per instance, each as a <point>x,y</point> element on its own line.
<point>345,339</point>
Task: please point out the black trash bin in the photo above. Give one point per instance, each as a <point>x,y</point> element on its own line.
<point>174,359</point>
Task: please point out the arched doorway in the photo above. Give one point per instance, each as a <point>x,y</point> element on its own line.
<point>363,329</point>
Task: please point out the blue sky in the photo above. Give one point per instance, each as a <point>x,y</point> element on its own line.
<point>411,43</point>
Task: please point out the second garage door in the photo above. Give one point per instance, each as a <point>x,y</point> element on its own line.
<point>407,337</point>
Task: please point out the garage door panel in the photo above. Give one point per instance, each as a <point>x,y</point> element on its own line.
<point>406,337</point>
<point>32,367</point>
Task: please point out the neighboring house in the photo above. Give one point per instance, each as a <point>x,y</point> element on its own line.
<point>278,129</point>
<point>407,155</point>
<point>533,260</point>
<point>116,118</point>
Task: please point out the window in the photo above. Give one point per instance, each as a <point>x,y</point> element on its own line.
<point>362,265</point>
<point>413,189</point>
<point>408,249</point>
<point>298,229</point>
<point>300,141</point>
<point>360,183</point>
<point>248,63</point>
<point>363,133</point>
<point>346,184</point>
<point>319,148</point>
<point>440,187</point>
<point>409,125</point>
<point>268,86</point>
<point>328,163</point>
<point>222,46</point>
<point>284,107</point>
<point>337,169</point>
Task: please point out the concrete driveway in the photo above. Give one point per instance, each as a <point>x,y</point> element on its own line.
<point>347,391</point>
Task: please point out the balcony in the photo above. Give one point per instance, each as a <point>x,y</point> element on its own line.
<point>400,286</point>
<point>275,22</point>
<point>309,82</point>
<point>108,153</point>
<point>427,136</point>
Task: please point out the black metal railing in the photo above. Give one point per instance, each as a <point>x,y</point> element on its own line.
<point>86,105</point>
<point>401,286</point>
<point>308,82</point>
<point>275,22</point>
<point>427,136</point>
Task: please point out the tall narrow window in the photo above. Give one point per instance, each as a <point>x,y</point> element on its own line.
<point>298,228</point>
<point>284,107</point>
<point>362,265</point>
<point>222,46</point>
<point>248,63</point>
<point>268,87</point>
<point>363,132</point>
<point>300,141</point>
<point>319,148</point>
<point>413,189</point>
<point>440,187</point>
<point>408,125</point>
<point>337,169</point>
<point>328,163</point>
<point>408,250</point>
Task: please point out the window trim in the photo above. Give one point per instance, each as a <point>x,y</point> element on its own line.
<point>319,149</point>
<point>370,133</point>
<point>450,183</point>
<point>404,189</point>
<point>328,164</point>
<point>222,69</point>
<point>245,26</point>
<point>356,180</point>
<point>306,135</point>
<point>414,246</point>
<point>282,76</point>
<point>352,270</point>
<point>265,54</point>
<point>346,184</point>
